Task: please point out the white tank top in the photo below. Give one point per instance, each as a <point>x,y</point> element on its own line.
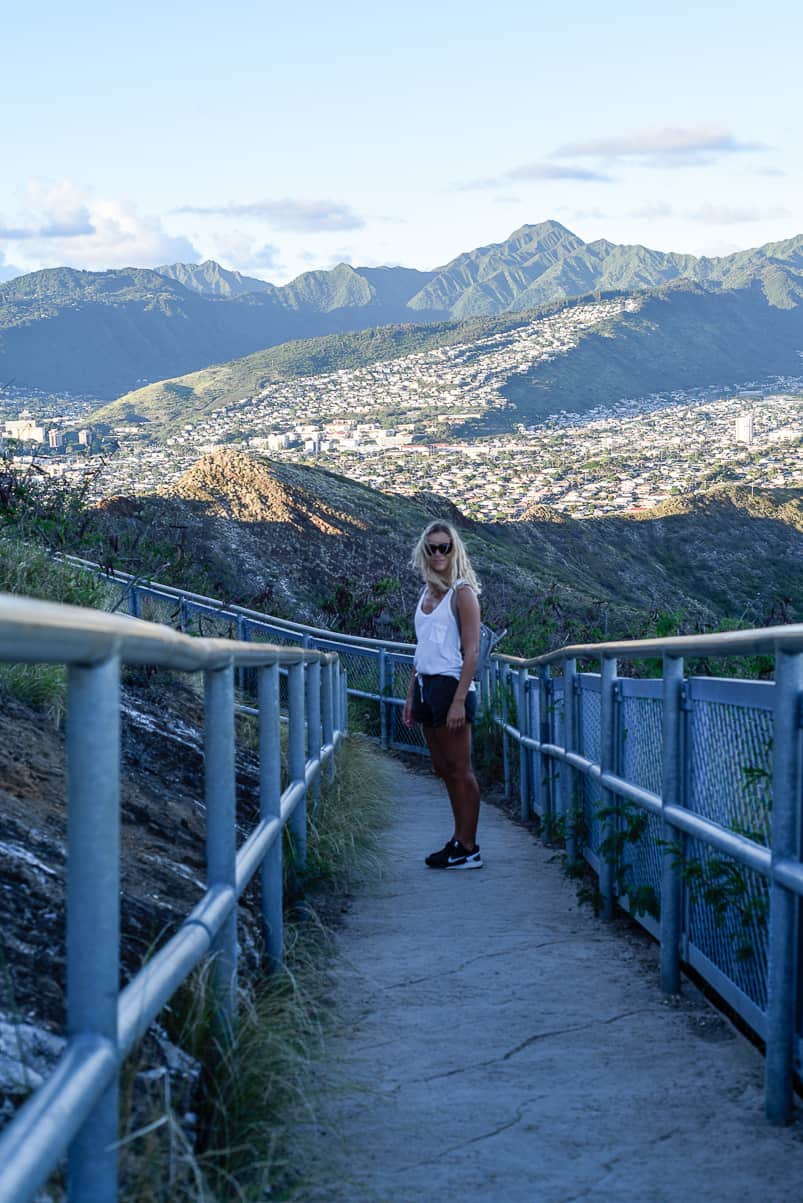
<point>438,639</point>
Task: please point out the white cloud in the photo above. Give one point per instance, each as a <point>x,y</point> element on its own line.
<point>63,226</point>
<point>710,214</point>
<point>652,211</point>
<point>534,171</point>
<point>668,147</point>
<point>732,215</point>
<point>287,214</point>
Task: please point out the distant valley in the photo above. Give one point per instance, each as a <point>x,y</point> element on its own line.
<point>517,368</point>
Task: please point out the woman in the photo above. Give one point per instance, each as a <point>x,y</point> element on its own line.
<point>442,695</point>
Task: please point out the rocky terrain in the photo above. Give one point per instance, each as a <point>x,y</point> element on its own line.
<point>163,866</point>
<point>308,544</point>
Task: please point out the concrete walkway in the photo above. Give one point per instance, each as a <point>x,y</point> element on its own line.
<point>495,1041</point>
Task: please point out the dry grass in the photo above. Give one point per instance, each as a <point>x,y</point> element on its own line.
<point>252,1091</point>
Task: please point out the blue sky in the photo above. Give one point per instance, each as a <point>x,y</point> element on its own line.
<point>276,139</point>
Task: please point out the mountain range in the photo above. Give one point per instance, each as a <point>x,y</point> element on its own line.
<point>103,333</point>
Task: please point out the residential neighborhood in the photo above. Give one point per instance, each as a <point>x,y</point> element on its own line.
<point>440,421</point>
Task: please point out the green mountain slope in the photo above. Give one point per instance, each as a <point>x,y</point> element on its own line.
<point>211,280</point>
<point>102,333</point>
<point>167,403</point>
<point>490,278</point>
<point>681,336</point>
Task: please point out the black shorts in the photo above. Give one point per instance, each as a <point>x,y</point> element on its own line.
<point>433,697</point>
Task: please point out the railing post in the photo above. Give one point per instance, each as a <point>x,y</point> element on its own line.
<point>545,737</point>
<point>337,697</point>
<point>314,726</point>
<point>383,706</point>
<point>93,907</point>
<point>182,616</point>
<point>297,761</point>
<point>270,793</point>
<point>485,697</point>
<point>523,726</point>
<point>567,779</point>
<point>392,720</point>
<point>672,794</point>
<point>786,822</point>
<point>133,601</point>
<point>242,635</point>
<point>608,764</point>
<point>534,757</point>
<point>505,736</point>
<point>327,714</point>
<point>344,687</point>
<point>221,836</point>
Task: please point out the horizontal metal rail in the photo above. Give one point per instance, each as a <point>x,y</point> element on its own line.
<point>76,1109</point>
<point>217,606</point>
<point>729,643</point>
<point>546,718</point>
<point>372,676</point>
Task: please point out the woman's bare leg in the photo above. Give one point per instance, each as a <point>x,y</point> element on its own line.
<point>438,760</point>
<point>451,759</point>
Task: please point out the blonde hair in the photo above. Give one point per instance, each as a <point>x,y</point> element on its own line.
<point>459,566</point>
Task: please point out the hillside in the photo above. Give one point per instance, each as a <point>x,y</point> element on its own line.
<point>311,545</point>
<point>167,403</point>
<point>102,333</point>
<point>680,336</point>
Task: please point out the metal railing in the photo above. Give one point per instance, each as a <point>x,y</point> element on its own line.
<point>378,670</point>
<point>76,1110</point>
<point>685,795</point>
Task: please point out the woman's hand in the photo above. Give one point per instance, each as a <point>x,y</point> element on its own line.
<point>407,713</point>
<point>456,716</point>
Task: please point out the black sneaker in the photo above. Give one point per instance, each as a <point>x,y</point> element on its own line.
<point>455,856</point>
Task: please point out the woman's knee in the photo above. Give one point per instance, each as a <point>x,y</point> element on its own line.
<point>457,769</point>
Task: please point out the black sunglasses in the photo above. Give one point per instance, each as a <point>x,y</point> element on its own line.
<point>432,548</point>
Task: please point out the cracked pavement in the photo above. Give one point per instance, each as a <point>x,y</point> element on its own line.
<point>494,1041</point>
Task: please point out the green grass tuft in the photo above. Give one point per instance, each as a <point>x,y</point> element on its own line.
<point>30,571</point>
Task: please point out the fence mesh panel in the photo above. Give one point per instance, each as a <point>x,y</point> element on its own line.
<point>731,766</point>
<point>641,744</point>
<point>408,739</point>
<point>730,778</point>
<point>727,918</point>
<point>641,728</point>
<point>589,742</point>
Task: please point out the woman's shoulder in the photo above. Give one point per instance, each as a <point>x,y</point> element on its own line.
<point>464,594</point>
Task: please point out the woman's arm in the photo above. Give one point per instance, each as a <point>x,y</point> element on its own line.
<point>468,609</point>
